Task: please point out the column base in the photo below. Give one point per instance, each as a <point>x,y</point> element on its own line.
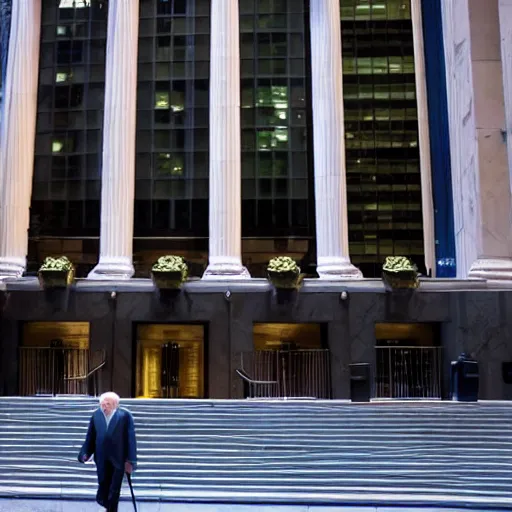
<point>227,269</point>
<point>492,269</point>
<point>12,267</point>
<point>335,269</point>
<point>112,269</point>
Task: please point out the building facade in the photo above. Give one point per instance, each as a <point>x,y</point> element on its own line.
<point>337,132</point>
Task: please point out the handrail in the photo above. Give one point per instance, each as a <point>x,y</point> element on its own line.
<point>60,370</point>
<point>246,377</point>
<point>94,370</point>
<point>409,347</point>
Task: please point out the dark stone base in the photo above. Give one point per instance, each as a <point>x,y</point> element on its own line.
<point>472,320</point>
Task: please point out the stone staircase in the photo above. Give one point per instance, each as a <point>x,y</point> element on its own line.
<point>288,452</point>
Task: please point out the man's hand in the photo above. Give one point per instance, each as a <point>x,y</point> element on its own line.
<point>85,458</point>
<point>128,468</point>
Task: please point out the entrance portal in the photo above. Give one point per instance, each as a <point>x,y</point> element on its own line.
<point>170,361</point>
<point>54,358</point>
<point>289,360</point>
<point>409,360</point>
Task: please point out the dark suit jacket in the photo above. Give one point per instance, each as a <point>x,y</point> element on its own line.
<point>116,444</point>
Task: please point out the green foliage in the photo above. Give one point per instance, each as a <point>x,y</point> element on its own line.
<point>171,264</point>
<point>398,264</point>
<point>61,264</point>
<point>283,264</point>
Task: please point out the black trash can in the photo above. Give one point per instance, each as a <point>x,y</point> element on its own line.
<point>465,379</point>
<point>360,383</point>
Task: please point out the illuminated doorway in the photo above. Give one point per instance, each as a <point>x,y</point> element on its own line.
<point>288,360</point>
<point>277,336</point>
<point>170,361</point>
<point>54,358</point>
<point>408,360</point>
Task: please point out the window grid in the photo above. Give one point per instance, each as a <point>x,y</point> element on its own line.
<point>381,133</point>
<point>67,177</point>
<point>171,194</point>
<point>275,187</point>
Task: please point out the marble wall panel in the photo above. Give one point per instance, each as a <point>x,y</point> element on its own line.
<point>464,149</point>
<point>505,16</point>
<point>477,322</point>
<point>476,117</point>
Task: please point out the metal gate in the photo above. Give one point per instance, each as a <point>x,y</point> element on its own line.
<point>408,372</point>
<point>59,370</point>
<point>288,373</point>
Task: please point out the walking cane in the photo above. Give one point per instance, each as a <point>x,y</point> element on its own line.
<point>129,477</point>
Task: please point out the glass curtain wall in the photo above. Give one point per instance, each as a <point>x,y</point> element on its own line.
<point>276,167</point>
<point>171,191</point>
<point>65,209</point>
<point>381,123</point>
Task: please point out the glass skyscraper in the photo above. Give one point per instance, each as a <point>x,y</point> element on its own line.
<point>172,135</point>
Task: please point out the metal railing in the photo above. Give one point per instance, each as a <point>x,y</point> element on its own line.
<point>408,372</point>
<point>286,373</point>
<point>90,382</point>
<point>59,371</point>
<point>259,388</point>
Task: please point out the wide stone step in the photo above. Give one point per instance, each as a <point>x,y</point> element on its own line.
<point>307,452</point>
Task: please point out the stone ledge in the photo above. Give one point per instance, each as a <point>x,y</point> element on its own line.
<point>256,285</point>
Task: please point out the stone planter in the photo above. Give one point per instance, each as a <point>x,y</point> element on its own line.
<point>402,280</point>
<point>56,278</point>
<point>285,280</point>
<point>165,280</point>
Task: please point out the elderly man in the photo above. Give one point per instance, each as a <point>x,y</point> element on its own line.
<point>111,439</point>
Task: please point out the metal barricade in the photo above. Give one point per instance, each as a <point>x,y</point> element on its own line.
<point>296,373</point>
<point>408,372</point>
<point>53,371</point>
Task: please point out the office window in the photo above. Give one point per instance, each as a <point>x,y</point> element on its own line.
<point>66,188</point>
<point>276,130</point>
<point>67,168</point>
<point>381,125</point>
<point>274,89</point>
<point>171,191</point>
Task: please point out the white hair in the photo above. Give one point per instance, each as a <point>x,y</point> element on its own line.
<point>110,394</point>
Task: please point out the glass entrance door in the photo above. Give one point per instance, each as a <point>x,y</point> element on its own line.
<point>170,361</point>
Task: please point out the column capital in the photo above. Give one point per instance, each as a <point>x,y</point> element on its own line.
<point>496,269</point>
<point>337,269</point>
<point>113,268</point>
<point>12,267</point>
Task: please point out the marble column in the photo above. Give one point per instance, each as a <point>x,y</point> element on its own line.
<point>118,168</point>
<point>225,242</point>
<point>333,260</point>
<point>427,198</point>
<point>480,175</point>
<point>505,13</point>
<point>17,136</point>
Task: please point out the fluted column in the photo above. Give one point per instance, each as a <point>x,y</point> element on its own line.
<point>225,244</point>
<point>427,197</point>
<point>505,13</point>
<point>118,169</point>
<point>17,134</point>
<point>333,260</point>
<point>482,194</point>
